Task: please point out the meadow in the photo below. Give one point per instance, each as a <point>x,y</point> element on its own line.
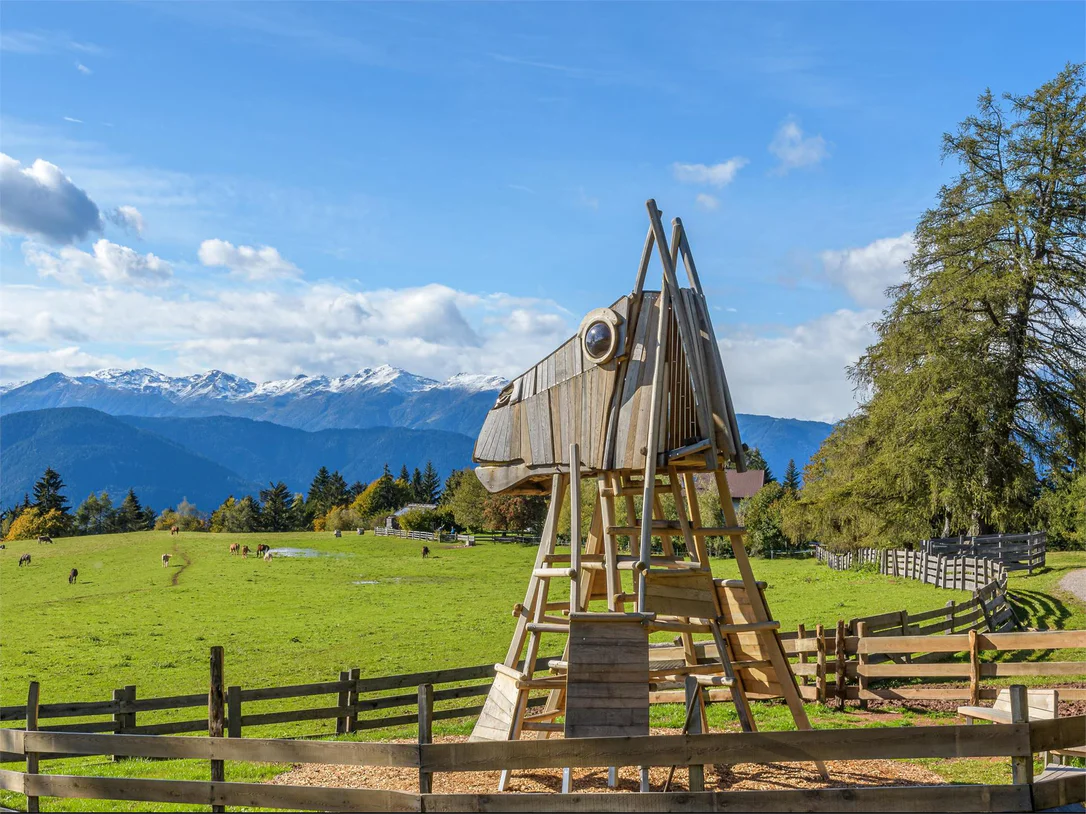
<point>355,601</point>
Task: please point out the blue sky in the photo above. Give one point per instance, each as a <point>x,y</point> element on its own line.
<point>317,188</point>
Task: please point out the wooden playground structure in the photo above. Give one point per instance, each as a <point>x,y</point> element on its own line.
<point>637,400</point>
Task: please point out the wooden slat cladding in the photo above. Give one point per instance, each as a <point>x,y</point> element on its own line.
<point>607,688</point>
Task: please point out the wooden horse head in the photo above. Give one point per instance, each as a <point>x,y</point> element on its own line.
<point>598,388</point>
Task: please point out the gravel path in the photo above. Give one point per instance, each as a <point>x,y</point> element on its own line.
<point>1075,583</point>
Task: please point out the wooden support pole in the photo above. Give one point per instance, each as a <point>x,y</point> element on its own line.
<point>1021,767</point>
<point>575,527</point>
<point>33,698</point>
<point>233,711</point>
<point>426,732</point>
<point>216,714</point>
<point>694,716</point>
<point>118,717</point>
<point>820,663</point>
<point>949,614</point>
<point>341,702</point>
<point>839,662</point>
<point>801,634</point>
<point>130,698</point>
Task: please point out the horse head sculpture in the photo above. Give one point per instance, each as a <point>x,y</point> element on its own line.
<point>649,350</point>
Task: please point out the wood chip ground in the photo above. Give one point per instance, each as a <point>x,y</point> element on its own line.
<point>740,777</point>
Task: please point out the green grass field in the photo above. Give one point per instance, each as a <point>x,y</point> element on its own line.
<point>364,601</point>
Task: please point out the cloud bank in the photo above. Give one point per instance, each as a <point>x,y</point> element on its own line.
<point>41,201</point>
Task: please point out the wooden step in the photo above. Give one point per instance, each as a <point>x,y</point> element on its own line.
<point>541,726</point>
<point>547,627</point>
<point>715,681</point>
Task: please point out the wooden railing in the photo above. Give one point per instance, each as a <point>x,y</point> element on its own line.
<point>955,573</point>
<point>1017,741</point>
<point>1016,552</point>
<point>431,536</point>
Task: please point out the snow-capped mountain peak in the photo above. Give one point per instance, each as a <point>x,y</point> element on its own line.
<point>473,382</point>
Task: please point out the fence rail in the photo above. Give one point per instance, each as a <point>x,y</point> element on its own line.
<point>1018,741</point>
<point>1016,552</point>
<point>430,536</point>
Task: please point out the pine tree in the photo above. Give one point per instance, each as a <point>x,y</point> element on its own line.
<point>47,496</point>
<point>277,512</point>
<point>416,487</point>
<point>791,477</point>
<point>405,476</point>
<point>95,515</point>
<point>244,516</point>
<point>317,499</point>
<point>336,492</point>
<point>131,516</point>
<point>431,484</point>
<point>756,461</point>
<point>355,489</point>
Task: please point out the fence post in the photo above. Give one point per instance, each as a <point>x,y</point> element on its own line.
<point>950,616</point>
<point>426,733</point>
<point>352,699</point>
<point>233,711</point>
<point>130,698</point>
<point>216,714</point>
<point>974,669</point>
<point>820,663</point>
<point>839,657</point>
<point>1021,767</point>
<point>118,717</point>
<point>33,697</point>
<point>696,774</point>
<point>861,664</point>
<point>341,720</point>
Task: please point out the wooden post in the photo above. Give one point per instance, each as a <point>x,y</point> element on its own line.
<point>839,657</point>
<point>33,697</point>
<point>974,670</point>
<point>693,717</point>
<point>1021,767</point>
<point>801,634</point>
<point>820,663</point>
<point>950,616</point>
<point>352,699</point>
<point>216,714</point>
<point>426,732</point>
<point>233,711</point>
<point>130,698</point>
<point>118,717</point>
<point>575,528</point>
<point>861,664</point>
<point>341,720</point>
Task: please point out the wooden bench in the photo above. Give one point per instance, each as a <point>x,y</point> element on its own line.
<point>1043,705</point>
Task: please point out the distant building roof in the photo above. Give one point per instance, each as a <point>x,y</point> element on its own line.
<point>410,507</point>
<point>745,484</point>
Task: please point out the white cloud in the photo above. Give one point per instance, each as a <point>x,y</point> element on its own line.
<point>18,366</point>
<point>717,175</point>
<point>43,42</point>
<point>255,263</point>
<point>799,372</point>
<point>128,218</point>
<point>706,201</point>
<point>110,262</point>
<point>73,121</point>
<point>866,272</point>
<point>41,201</point>
<point>796,150</point>
<point>83,69</point>
<point>263,334</point>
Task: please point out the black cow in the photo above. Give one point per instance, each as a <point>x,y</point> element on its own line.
<point>73,576</point>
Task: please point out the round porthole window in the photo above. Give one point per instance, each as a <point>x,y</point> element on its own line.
<point>598,339</point>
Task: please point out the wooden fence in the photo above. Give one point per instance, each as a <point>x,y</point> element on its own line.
<point>430,536</point>
<point>356,704</point>
<point>1016,552</point>
<point>960,573</point>
<point>1018,741</point>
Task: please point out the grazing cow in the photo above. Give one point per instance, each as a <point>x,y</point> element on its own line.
<point>72,576</point>
<point>24,560</point>
<point>175,530</point>
<point>245,551</point>
<point>2,547</point>
<point>338,533</point>
<point>44,538</point>
<point>261,548</point>
<point>267,556</point>
<point>425,552</point>
<point>235,548</point>
<point>165,560</point>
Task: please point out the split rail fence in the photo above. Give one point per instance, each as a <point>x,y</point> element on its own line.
<point>1019,741</point>
<point>1016,552</point>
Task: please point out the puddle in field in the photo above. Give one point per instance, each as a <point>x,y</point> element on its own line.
<point>303,552</point>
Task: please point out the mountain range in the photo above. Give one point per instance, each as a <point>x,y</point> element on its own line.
<point>206,436</point>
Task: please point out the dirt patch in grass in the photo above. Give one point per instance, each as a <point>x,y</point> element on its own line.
<point>739,777</point>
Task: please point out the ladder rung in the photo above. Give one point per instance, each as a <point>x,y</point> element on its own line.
<point>715,681</point>
<point>751,627</point>
<point>550,573</point>
<point>749,665</point>
<point>544,627</point>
